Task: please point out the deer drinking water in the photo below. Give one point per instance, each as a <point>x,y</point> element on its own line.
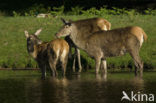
<point>103,44</point>
<point>88,26</point>
<point>47,54</point>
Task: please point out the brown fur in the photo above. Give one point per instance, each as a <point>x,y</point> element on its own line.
<point>87,26</point>
<point>46,53</point>
<point>103,44</point>
<point>138,32</point>
<point>116,40</point>
<point>58,49</point>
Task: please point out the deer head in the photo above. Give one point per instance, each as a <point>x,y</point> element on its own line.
<point>32,40</point>
<point>66,29</point>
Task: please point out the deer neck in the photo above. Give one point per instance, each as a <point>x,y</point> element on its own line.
<point>77,39</point>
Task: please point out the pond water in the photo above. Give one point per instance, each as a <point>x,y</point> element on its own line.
<point>84,88</point>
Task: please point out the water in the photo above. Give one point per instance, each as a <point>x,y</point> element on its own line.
<point>84,88</point>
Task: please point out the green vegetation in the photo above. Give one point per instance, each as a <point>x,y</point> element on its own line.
<point>13,52</point>
<point>33,7</point>
<point>57,11</point>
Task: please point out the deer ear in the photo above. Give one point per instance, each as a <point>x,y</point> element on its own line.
<point>64,21</point>
<point>38,31</point>
<point>26,34</point>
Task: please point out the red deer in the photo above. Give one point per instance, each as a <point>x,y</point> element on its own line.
<point>89,26</point>
<point>103,44</point>
<point>47,53</point>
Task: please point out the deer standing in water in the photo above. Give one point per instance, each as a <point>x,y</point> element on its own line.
<point>103,44</point>
<point>88,26</point>
<point>47,54</point>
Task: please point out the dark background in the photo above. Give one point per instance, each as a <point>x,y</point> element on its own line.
<point>19,5</point>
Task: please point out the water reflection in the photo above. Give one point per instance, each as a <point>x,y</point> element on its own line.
<point>72,89</point>
<point>101,77</point>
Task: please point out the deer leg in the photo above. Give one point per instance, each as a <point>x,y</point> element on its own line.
<point>70,51</point>
<point>75,53</point>
<point>42,67</point>
<point>45,73</point>
<point>79,59</point>
<point>138,63</point>
<point>104,69</point>
<point>97,62</point>
<point>52,64</point>
<point>104,63</point>
<point>64,65</point>
<point>54,67</point>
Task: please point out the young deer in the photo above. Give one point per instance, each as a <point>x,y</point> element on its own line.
<point>47,53</point>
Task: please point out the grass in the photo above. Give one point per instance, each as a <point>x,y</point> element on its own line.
<point>13,52</point>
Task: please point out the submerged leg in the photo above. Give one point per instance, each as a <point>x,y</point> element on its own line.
<point>42,67</point>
